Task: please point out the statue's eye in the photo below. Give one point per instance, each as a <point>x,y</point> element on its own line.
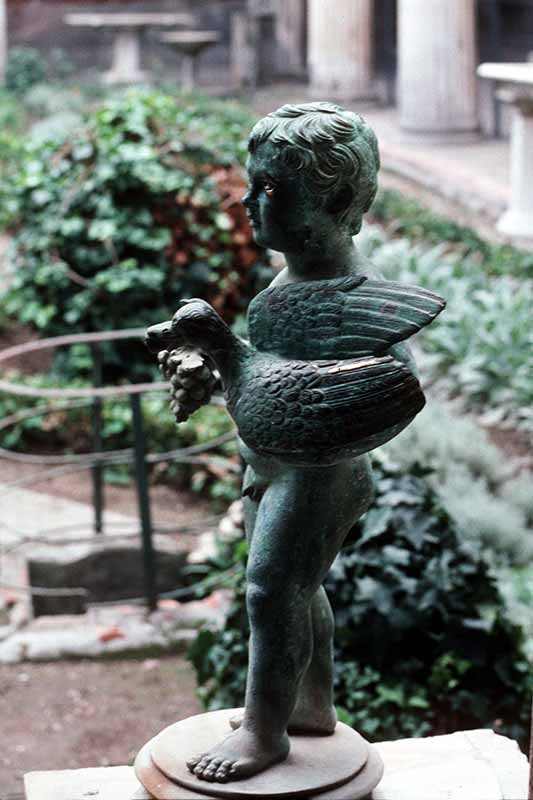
<point>269,188</point>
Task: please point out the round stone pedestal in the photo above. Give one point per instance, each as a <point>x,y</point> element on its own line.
<point>328,767</point>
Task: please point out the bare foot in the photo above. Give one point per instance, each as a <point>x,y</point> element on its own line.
<point>239,755</point>
<point>305,721</point>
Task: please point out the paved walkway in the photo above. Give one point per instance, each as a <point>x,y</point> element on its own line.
<point>26,514</point>
<point>468,181</point>
<point>33,522</point>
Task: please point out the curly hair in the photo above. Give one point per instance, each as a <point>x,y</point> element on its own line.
<point>334,148</point>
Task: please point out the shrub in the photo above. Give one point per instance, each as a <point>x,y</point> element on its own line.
<point>13,121</point>
<point>25,67</point>
<point>479,348</point>
<point>423,641</point>
<point>404,216</point>
<point>490,503</point>
<point>135,210</point>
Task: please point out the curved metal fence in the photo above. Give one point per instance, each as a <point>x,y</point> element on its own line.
<point>96,461</point>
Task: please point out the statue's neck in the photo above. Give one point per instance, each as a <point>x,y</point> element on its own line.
<point>319,261</point>
<point>227,355</point>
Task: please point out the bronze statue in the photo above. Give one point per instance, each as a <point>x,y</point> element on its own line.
<point>324,379</point>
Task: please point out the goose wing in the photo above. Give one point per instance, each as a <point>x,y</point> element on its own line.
<point>321,412</point>
<point>341,318</point>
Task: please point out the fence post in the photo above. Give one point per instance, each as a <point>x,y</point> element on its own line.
<point>97,469</point>
<point>143,499</point>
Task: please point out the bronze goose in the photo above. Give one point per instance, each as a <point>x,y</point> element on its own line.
<point>321,410</point>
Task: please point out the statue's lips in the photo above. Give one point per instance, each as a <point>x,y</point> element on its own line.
<point>254,221</point>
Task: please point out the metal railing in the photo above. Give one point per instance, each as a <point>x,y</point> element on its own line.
<point>98,458</point>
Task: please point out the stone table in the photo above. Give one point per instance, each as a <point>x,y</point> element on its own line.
<point>470,765</point>
<point>128,27</point>
<point>190,44</point>
<point>517,81</point>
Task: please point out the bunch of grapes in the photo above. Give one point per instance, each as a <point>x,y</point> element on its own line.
<point>192,381</point>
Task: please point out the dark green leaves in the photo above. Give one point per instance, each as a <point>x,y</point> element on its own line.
<point>423,640</point>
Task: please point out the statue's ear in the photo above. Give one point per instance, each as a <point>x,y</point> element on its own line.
<point>341,201</point>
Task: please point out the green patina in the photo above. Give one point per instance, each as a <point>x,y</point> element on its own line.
<point>324,379</point>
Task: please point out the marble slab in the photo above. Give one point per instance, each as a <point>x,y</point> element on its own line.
<point>470,765</point>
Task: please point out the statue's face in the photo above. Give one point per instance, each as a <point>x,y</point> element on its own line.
<point>282,211</point>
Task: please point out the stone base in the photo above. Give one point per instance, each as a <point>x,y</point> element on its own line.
<point>475,765</point>
<point>341,766</point>
<point>517,224</point>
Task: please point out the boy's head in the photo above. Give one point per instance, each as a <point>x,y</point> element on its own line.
<point>334,150</point>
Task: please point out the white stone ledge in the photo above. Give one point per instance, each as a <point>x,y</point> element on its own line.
<point>470,765</point>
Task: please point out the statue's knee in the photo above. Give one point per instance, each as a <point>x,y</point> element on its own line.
<point>264,601</point>
<point>258,601</point>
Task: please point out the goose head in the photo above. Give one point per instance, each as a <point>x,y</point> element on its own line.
<point>195,324</point>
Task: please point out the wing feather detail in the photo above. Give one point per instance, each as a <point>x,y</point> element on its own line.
<point>320,413</point>
<point>339,318</point>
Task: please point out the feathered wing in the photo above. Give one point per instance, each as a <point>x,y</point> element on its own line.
<point>342,318</point>
<point>322,412</point>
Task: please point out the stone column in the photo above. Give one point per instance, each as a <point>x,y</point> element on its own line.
<point>518,219</point>
<point>126,66</point>
<point>341,48</point>
<point>291,36</point>
<point>437,66</point>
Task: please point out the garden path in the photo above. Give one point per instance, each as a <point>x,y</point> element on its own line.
<point>73,714</point>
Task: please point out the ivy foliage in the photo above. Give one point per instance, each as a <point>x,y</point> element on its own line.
<point>13,123</point>
<point>25,67</point>
<point>134,210</point>
<point>492,504</point>
<point>423,641</point>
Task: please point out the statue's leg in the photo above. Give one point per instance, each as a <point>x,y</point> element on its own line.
<point>302,520</point>
<point>314,711</point>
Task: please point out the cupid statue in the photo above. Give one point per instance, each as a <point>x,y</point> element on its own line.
<point>324,379</point>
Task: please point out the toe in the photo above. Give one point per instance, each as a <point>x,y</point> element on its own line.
<point>221,775</point>
<point>193,762</point>
<point>202,765</point>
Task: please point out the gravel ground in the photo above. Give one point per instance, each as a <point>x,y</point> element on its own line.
<point>69,715</point>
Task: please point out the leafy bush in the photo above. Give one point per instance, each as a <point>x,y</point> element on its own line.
<point>404,216</point>
<point>490,503</point>
<point>13,121</point>
<point>135,210</point>
<point>423,641</point>
<point>25,67</point>
<point>45,99</point>
<point>480,347</point>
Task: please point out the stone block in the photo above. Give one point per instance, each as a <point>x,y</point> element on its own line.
<point>104,569</point>
<point>471,765</point>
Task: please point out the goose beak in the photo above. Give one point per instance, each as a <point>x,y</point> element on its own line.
<point>161,337</point>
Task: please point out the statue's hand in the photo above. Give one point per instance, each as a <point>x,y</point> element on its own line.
<point>191,380</point>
